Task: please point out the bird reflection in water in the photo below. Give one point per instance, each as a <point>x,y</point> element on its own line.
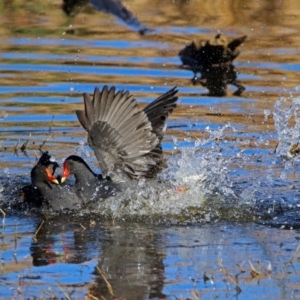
<point>114,7</point>
<point>129,255</point>
<point>214,60</point>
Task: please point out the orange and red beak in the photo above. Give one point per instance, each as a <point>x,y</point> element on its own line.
<point>50,177</point>
<point>66,173</point>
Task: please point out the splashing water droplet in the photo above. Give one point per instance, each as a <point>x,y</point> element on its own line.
<point>267,112</point>
<point>81,150</point>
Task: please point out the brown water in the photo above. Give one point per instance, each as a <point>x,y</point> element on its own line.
<point>202,244</point>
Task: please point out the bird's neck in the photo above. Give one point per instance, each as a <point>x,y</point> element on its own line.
<point>84,178</point>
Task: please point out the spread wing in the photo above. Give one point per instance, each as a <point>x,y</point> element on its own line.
<point>159,110</point>
<point>124,139</point>
<point>119,134</point>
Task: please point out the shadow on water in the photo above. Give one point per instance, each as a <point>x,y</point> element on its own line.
<point>225,222</point>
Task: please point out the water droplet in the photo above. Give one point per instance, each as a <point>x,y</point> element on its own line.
<point>267,112</point>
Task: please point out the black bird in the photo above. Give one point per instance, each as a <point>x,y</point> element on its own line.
<point>88,185</point>
<point>45,192</point>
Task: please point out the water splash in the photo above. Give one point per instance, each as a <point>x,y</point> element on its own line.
<point>215,178</point>
<point>193,187</point>
<point>82,151</point>
<point>287,124</point>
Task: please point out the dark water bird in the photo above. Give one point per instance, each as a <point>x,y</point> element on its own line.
<point>29,194</point>
<point>214,60</point>
<point>125,139</point>
<point>45,192</point>
<point>114,7</point>
<point>88,185</point>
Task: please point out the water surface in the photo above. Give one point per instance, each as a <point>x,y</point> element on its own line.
<point>233,232</point>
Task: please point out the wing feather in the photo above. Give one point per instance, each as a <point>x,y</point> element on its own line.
<point>159,110</point>
<point>124,138</point>
<point>102,100</point>
<point>97,107</point>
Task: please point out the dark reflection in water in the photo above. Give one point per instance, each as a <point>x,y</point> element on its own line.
<point>114,7</point>
<point>214,60</point>
<point>147,262</point>
<point>128,255</point>
<point>216,79</point>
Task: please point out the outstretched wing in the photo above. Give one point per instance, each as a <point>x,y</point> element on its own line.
<point>159,110</point>
<point>119,134</point>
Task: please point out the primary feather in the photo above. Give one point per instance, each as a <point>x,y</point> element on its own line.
<point>126,140</point>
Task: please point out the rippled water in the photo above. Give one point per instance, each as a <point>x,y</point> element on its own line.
<point>224,234</point>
